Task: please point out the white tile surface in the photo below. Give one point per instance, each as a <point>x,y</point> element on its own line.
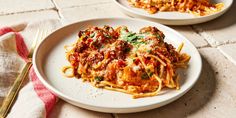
<point>8,20</point>
<point>14,6</point>
<point>191,35</point>
<point>93,11</point>
<point>73,3</point>
<point>229,51</point>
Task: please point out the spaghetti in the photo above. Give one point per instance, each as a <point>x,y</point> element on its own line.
<point>140,64</point>
<point>196,7</point>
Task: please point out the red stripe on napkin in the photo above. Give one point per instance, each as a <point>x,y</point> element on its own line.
<point>21,47</point>
<point>46,96</point>
<point>20,44</point>
<point>5,30</point>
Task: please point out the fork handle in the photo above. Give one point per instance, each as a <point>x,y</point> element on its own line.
<point>9,99</point>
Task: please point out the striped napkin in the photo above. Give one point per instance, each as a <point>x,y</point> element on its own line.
<point>34,100</point>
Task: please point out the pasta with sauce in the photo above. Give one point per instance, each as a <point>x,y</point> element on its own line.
<point>196,7</point>
<point>140,64</point>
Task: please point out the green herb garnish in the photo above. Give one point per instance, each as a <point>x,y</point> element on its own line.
<point>99,78</point>
<point>144,76</point>
<point>108,36</point>
<point>133,38</point>
<point>137,43</point>
<point>92,35</point>
<point>149,51</point>
<point>150,74</point>
<point>129,37</point>
<point>127,50</point>
<point>158,36</point>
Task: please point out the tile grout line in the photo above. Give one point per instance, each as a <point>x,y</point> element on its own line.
<point>210,40</point>
<point>206,46</point>
<point>56,8</point>
<point>199,32</point>
<point>226,56</point>
<point>207,37</point>
<point>84,5</point>
<point>226,43</point>
<point>22,12</point>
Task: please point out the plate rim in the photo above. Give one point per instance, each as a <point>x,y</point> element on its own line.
<point>90,106</point>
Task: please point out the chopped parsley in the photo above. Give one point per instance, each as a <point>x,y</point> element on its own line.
<point>137,43</point>
<point>127,50</point>
<point>92,35</point>
<point>158,36</point>
<point>150,74</point>
<point>99,78</point>
<point>129,37</point>
<point>108,36</point>
<point>149,51</point>
<point>132,38</point>
<point>144,76</point>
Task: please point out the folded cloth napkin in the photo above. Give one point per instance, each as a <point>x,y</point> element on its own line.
<point>33,100</point>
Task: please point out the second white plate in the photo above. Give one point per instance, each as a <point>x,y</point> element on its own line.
<point>171,18</point>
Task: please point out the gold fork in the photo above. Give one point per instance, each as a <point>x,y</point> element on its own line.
<point>9,99</point>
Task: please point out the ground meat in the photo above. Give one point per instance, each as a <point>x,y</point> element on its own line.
<point>81,46</point>
<point>153,30</point>
<point>122,48</point>
<point>167,50</point>
<point>94,58</point>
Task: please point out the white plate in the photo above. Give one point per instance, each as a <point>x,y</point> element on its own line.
<point>171,18</point>
<point>49,58</point>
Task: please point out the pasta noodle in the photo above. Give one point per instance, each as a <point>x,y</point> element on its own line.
<point>140,64</point>
<point>196,7</point>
